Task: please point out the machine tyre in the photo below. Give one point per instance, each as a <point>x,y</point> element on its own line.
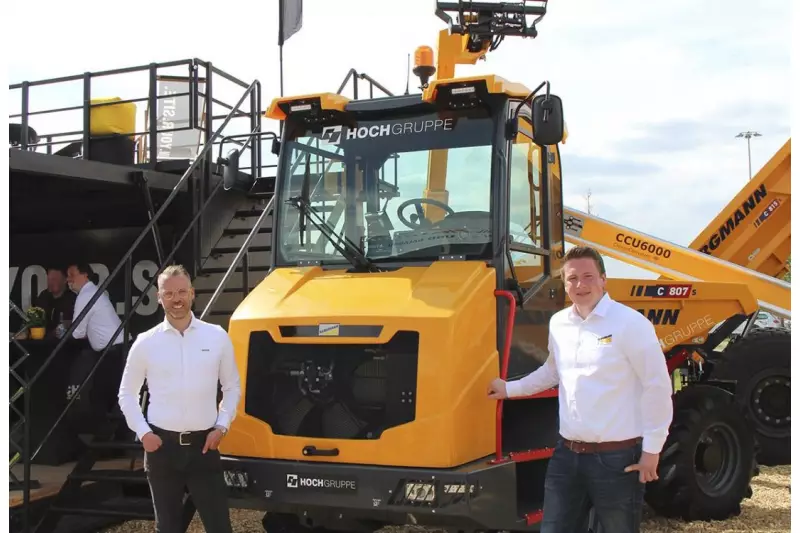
<point>708,460</point>
<point>760,363</point>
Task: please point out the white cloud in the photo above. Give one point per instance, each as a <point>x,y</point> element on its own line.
<point>625,69</point>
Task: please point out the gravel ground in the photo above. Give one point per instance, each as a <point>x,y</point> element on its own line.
<point>768,511</point>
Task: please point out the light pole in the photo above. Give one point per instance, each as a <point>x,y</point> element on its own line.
<point>748,135</point>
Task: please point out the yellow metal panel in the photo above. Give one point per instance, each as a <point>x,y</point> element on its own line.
<point>452,306</point>
<point>494,84</point>
<point>683,312</point>
<point>328,101</point>
<point>111,119</point>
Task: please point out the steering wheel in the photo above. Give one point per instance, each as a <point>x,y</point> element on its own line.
<point>421,220</point>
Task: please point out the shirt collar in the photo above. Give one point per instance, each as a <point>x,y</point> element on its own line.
<point>87,285</point>
<point>600,309</point>
<point>166,326</point>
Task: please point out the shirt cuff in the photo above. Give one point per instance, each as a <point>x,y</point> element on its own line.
<point>143,430</point>
<point>653,443</point>
<point>514,389</point>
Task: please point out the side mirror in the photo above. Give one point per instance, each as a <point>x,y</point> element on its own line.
<point>231,177</point>
<point>548,120</point>
<point>276,147</point>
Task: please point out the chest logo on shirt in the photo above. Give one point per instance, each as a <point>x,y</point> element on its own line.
<point>604,340</point>
<point>328,330</point>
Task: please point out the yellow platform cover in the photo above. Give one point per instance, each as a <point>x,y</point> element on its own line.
<point>109,119</point>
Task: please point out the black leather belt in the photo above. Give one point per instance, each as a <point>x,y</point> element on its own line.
<point>184,438</point>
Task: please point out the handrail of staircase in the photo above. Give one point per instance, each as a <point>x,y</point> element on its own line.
<point>103,286</point>
<point>243,250</point>
<point>127,318</point>
<point>28,458</point>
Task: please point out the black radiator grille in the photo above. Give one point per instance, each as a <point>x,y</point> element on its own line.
<point>346,391</point>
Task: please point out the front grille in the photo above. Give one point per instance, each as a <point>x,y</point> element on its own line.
<point>345,391</point>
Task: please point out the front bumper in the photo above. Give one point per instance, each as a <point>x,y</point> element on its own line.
<point>477,496</point>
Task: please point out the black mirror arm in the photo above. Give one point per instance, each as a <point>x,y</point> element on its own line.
<point>512,124</point>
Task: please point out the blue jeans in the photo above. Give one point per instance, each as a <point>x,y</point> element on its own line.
<point>577,481</point>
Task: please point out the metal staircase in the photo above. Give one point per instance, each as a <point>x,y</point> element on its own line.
<point>255,262</point>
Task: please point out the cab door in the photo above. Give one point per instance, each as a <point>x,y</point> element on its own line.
<point>534,254</point>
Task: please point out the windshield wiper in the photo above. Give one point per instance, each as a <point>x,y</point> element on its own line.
<point>343,245</point>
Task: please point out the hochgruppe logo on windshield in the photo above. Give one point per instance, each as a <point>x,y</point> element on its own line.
<point>335,134</point>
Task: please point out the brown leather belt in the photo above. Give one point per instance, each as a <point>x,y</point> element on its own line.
<point>595,447</point>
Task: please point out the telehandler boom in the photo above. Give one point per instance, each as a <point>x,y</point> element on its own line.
<point>673,261</point>
<point>366,351</point>
<point>754,229</point>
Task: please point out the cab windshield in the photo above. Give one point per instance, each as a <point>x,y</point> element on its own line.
<point>367,184</point>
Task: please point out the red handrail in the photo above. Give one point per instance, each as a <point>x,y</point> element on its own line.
<point>512,310</point>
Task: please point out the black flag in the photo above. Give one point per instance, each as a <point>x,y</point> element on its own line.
<point>290,19</point>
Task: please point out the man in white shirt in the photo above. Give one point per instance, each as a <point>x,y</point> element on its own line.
<point>182,360</point>
<point>100,323</point>
<point>615,403</point>
<point>97,327</point>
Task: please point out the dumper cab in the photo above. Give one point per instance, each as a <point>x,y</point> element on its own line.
<point>371,341</point>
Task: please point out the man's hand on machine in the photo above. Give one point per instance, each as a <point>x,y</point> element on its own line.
<point>497,390</point>
<point>151,442</point>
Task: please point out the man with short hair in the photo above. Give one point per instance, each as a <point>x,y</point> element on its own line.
<point>57,301</point>
<point>182,360</point>
<point>615,403</point>
<point>98,327</point>
<point>101,321</point>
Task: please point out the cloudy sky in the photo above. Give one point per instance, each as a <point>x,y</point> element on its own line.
<point>654,92</point>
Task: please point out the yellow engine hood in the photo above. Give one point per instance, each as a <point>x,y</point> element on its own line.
<point>450,304</point>
<point>306,295</point>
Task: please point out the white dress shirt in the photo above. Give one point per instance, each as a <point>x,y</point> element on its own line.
<point>100,322</point>
<point>182,372</point>
<point>611,373</point>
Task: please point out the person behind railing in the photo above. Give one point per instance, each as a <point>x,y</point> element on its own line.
<point>57,301</point>
<point>183,358</point>
<point>98,326</point>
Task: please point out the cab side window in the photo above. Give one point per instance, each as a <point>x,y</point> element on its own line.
<point>525,207</point>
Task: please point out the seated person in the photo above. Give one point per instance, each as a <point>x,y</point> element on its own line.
<point>57,301</point>
<point>98,327</point>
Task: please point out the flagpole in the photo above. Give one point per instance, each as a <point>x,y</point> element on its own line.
<point>280,41</point>
<point>280,52</point>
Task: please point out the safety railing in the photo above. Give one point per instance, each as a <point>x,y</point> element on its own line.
<point>126,264</point>
<point>18,417</point>
<point>355,76</point>
<point>180,97</point>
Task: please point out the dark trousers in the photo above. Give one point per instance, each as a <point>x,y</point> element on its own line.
<point>99,398</point>
<point>577,481</point>
<point>172,469</point>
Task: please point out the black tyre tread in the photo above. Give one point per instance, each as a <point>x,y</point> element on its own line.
<point>741,361</point>
<point>675,494</point>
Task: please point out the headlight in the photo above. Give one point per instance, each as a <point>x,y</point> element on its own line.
<point>420,492</point>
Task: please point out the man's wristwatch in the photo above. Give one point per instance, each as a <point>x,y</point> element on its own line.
<point>222,429</point>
